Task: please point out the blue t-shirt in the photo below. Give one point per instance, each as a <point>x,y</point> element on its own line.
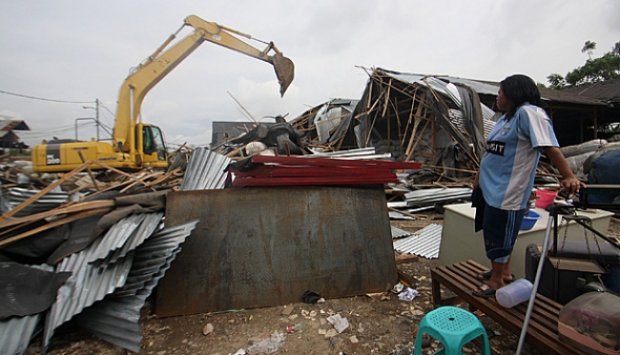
<point>508,167</point>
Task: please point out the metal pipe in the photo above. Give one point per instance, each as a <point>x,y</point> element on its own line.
<point>530,305</point>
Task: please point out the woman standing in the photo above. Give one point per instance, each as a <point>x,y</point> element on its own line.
<point>507,170</point>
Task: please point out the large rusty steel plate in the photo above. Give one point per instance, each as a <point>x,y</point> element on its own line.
<point>256,247</point>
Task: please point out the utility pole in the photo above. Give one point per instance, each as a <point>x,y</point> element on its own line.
<point>97,116</point>
<point>97,124</point>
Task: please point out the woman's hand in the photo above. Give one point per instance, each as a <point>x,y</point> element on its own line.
<point>569,181</point>
<point>572,184</point>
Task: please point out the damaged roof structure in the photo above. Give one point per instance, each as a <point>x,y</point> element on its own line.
<point>8,138</point>
<point>438,120</point>
<point>414,117</point>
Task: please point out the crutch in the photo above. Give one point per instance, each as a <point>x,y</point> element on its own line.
<point>530,305</point>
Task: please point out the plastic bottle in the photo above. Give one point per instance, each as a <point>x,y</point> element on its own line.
<point>514,293</point>
<point>292,328</point>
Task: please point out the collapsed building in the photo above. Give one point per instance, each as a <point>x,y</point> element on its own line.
<point>412,118</point>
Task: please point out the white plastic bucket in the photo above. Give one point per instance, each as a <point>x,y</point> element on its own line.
<point>514,293</point>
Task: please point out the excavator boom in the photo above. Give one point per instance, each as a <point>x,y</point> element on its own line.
<point>169,55</point>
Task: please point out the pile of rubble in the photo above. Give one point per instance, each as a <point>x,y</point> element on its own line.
<point>97,244</point>
<point>83,247</point>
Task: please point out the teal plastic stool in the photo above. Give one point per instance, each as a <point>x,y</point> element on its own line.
<point>454,327</point>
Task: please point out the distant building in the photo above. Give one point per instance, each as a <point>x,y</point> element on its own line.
<point>8,138</point>
<point>224,131</point>
<point>609,116</point>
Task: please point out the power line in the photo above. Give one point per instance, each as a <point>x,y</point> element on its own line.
<point>106,108</point>
<point>44,99</point>
<point>48,131</point>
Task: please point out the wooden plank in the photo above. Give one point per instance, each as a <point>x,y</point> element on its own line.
<point>164,177</point>
<point>38,195</point>
<point>544,306</point>
<point>138,179</point>
<point>51,225</point>
<point>80,206</point>
<point>460,278</point>
<point>514,318</point>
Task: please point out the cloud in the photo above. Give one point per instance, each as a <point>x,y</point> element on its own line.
<point>82,51</point>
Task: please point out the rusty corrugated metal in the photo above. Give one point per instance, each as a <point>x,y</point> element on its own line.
<point>274,244</point>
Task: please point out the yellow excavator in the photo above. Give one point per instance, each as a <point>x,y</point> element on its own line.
<point>136,145</point>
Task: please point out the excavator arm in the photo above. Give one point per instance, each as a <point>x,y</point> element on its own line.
<point>168,56</point>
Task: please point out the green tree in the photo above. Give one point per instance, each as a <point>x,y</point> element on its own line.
<point>594,70</point>
<point>556,80</point>
<point>588,47</point>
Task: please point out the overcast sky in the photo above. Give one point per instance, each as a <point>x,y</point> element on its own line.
<point>82,50</point>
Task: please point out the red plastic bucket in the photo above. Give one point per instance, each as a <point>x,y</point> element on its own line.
<point>544,198</point>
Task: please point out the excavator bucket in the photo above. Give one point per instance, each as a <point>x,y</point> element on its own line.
<point>285,71</point>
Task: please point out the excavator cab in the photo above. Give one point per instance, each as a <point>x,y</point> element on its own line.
<point>153,146</point>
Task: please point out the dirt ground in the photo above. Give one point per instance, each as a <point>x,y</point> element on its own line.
<point>375,325</point>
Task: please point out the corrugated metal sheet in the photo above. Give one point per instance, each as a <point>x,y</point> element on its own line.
<point>154,253</point>
<point>17,195</point>
<point>91,282</point>
<point>431,196</point>
<point>330,115</point>
<point>398,215</point>
<point>115,238</point>
<point>400,233</point>
<point>486,87</point>
<point>456,116</point>
<point>149,224</point>
<point>88,284</point>
<point>424,242</point>
<point>16,332</point>
<point>205,170</point>
<point>359,153</point>
<point>116,319</point>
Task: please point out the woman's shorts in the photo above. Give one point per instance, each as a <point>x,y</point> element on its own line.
<point>500,229</point>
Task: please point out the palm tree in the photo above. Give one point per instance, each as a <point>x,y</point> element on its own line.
<point>588,47</point>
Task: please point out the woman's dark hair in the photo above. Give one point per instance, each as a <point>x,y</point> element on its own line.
<point>520,89</point>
